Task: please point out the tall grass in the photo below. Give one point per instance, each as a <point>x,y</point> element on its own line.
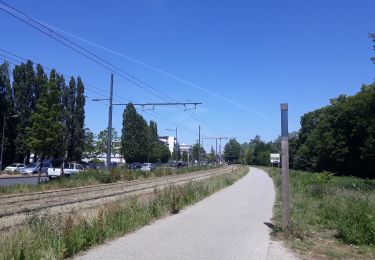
<point>58,237</point>
<point>324,202</point>
<point>93,177</point>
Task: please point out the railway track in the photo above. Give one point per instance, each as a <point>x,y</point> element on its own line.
<point>36,201</point>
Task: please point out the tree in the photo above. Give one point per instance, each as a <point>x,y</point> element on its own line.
<point>69,113</point>
<point>7,109</point>
<point>45,131</point>
<point>89,144</point>
<point>212,155</point>
<point>135,136</point>
<point>372,36</point>
<point>247,156</point>
<point>79,121</point>
<point>232,151</point>
<point>198,153</point>
<point>102,142</point>
<point>23,86</point>
<point>185,156</point>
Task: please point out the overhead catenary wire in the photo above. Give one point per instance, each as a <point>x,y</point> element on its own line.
<point>87,53</point>
<point>16,62</point>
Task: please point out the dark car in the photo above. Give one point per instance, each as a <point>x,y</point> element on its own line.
<point>135,165</point>
<point>181,164</point>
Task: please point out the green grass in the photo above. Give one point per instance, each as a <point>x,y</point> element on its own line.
<point>322,203</point>
<point>58,237</point>
<point>93,177</point>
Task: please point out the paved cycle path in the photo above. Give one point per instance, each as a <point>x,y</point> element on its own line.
<point>227,225</point>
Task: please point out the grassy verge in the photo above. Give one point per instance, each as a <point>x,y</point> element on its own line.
<point>331,216</point>
<point>57,237</point>
<point>93,177</point>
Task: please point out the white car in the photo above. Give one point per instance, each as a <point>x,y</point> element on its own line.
<point>147,167</point>
<point>68,168</point>
<point>15,167</point>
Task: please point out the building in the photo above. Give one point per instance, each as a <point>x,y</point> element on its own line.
<point>186,148</point>
<point>168,141</point>
<point>116,157</point>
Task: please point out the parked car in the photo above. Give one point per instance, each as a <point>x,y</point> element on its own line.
<point>67,168</point>
<point>135,165</point>
<point>34,168</point>
<point>181,164</point>
<point>147,167</point>
<point>15,167</point>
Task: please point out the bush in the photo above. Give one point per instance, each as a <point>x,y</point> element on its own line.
<point>356,223</point>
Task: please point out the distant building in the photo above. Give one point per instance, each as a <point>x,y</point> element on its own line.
<point>186,148</point>
<point>116,157</point>
<point>168,141</point>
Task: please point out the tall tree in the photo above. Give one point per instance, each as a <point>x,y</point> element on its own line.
<point>69,113</point>
<point>46,129</point>
<point>232,151</point>
<point>23,87</point>
<point>79,121</point>
<point>135,136</point>
<point>7,109</point>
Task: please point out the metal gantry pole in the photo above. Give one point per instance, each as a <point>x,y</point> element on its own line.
<point>199,146</point>
<point>176,150</point>
<point>109,141</point>
<point>285,164</point>
<point>2,145</point>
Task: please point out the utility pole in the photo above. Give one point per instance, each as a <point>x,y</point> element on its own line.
<point>109,144</point>
<point>285,164</point>
<point>175,143</point>
<point>199,146</point>
<point>216,138</point>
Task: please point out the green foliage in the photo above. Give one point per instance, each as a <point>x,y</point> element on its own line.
<point>7,109</point>
<point>232,151</point>
<point>23,87</point>
<point>211,157</point>
<point>339,137</point>
<point>59,237</point>
<point>135,136</point>
<point>323,202</point>
<point>46,111</point>
<point>102,142</point>
<point>198,152</point>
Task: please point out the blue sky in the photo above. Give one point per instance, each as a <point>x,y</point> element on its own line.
<point>241,59</point>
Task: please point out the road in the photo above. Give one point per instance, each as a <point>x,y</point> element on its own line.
<point>227,225</point>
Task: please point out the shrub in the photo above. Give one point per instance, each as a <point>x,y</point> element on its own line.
<point>356,223</point>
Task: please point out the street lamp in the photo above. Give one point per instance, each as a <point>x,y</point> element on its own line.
<point>2,140</point>
<point>175,145</point>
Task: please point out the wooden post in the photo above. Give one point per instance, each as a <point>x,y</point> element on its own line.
<point>285,164</point>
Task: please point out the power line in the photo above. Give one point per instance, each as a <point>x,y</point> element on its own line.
<point>157,115</point>
<point>85,50</point>
<point>86,53</point>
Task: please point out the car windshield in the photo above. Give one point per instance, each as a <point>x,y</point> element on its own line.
<point>13,165</point>
<point>32,165</point>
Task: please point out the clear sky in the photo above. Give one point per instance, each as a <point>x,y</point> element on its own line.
<point>241,59</point>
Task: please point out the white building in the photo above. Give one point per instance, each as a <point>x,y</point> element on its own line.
<point>168,141</point>
<point>116,157</point>
<point>186,148</point>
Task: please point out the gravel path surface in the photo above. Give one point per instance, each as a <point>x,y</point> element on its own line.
<point>227,225</point>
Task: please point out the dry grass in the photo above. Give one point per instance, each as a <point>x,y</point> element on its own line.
<point>58,237</point>
<point>332,217</point>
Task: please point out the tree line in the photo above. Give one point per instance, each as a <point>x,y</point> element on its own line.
<point>339,137</point>
<point>50,114</point>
